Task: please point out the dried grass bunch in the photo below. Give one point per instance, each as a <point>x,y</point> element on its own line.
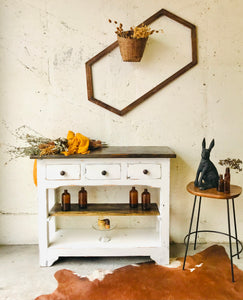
<point>138,32</point>
<point>31,143</point>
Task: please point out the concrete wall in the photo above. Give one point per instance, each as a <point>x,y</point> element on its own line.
<point>44,45</point>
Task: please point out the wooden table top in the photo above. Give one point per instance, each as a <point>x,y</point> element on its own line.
<point>119,152</point>
<point>235,191</point>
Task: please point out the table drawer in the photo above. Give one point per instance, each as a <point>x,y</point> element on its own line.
<point>63,172</point>
<point>144,171</point>
<point>103,171</point>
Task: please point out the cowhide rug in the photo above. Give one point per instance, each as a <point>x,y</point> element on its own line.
<point>207,276</point>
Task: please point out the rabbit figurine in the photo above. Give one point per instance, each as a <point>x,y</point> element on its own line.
<point>207,175</point>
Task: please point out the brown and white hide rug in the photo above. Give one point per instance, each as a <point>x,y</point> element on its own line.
<point>207,276</point>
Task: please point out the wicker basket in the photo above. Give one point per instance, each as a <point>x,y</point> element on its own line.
<point>131,49</point>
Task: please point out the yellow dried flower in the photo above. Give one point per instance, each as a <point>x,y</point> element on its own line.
<point>137,32</point>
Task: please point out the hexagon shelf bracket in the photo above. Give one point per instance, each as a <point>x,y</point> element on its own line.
<point>158,87</point>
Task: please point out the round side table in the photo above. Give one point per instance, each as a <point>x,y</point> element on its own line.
<point>235,191</point>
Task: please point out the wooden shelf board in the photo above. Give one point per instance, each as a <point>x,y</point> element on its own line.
<point>111,209</point>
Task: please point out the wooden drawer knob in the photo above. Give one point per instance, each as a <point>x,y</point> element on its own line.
<point>145,171</point>
<point>62,173</point>
<point>104,172</point>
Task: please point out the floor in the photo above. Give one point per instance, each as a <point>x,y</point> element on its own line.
<point>21,278</point>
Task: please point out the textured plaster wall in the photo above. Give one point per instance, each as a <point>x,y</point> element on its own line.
<point>43,48</point>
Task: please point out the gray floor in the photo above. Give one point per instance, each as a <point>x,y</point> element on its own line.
<point>21,278</point>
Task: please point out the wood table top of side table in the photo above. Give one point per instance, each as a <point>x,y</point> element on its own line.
<point>235,191</point>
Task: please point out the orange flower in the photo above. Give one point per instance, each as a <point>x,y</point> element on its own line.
<point>77,144</point>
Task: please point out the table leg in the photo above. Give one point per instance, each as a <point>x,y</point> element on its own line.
<point>231,258</point>
<point>198,215</point>
<point>236,237</point>
<point>189,233</point>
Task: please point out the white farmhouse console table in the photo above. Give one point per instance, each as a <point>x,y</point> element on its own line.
<point>142,167</point>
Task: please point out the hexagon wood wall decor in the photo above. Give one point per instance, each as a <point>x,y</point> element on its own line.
<point>158,87</point>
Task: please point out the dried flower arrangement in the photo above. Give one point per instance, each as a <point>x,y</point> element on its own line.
<point>232,163</point>
<point>37,145</point>
<point>132,42</point>
<point>137,32</point>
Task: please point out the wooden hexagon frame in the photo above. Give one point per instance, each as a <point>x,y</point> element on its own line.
<point>158,87</point>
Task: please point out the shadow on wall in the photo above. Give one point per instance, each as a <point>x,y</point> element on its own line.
<point>181,174</point>
<point>180,203</point>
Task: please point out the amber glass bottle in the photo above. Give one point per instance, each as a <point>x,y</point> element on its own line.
<point>221,183</point>
<point>227,181</point>
<point>82,198</point>
<point>66,201</point>
<point>145,200</point>
<point>227,173</point>
<point>133,198</point>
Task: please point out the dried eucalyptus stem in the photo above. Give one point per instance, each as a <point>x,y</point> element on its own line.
<point>232,163</point>
<point>35,144</point>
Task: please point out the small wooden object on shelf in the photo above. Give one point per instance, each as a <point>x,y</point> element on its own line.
<point>101,224</point>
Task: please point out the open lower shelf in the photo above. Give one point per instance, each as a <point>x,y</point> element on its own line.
<point>111,209</point>
<point>89,238</point>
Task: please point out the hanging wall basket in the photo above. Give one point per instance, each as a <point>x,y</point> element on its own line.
<point>131,49</point>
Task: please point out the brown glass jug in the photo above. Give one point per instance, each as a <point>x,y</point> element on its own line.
<point>227,181</point>
<point>220,184</point>
<point>82,198</point>
<point>145,200</point>
<point>133,198</point>
<point>66,201</point>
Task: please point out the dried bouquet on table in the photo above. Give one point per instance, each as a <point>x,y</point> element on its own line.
<point>132,42</point>
<point>34,144</point>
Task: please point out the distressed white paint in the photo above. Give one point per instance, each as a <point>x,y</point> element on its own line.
<point>95,171</point>
<point>43,48</point>
<point>136,171</point>
<point>62,172</point>
<point>152,240</point>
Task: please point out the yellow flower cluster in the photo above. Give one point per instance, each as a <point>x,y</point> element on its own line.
<point>77,144</point>
<point>141,32</point>
<point>138,32</point>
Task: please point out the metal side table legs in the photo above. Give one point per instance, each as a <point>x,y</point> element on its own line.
<point>238,243</point>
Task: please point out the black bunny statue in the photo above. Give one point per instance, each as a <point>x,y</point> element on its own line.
<point>209,175</point>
